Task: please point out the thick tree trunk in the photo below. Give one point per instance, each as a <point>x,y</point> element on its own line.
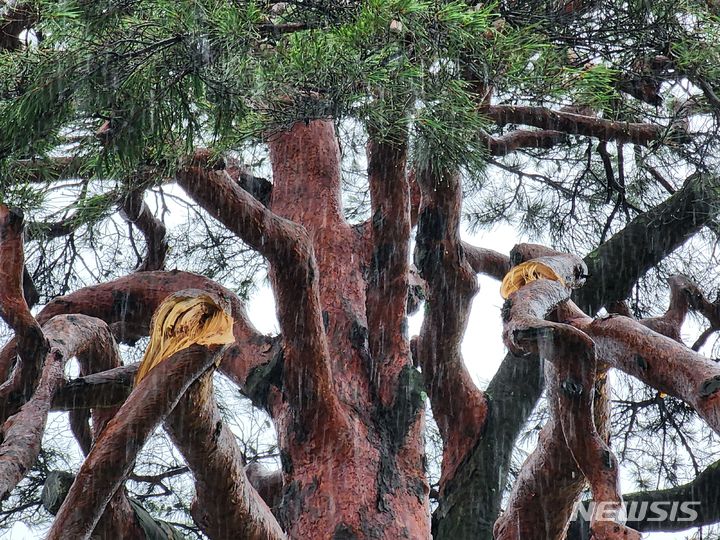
<point>349,422</point>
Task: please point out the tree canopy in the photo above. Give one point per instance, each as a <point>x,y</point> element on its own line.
<point>157,157</point>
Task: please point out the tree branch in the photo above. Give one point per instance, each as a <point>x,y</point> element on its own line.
<point>459,407</point>
<point>138,213</point>
<point>576,124</point>
<point>128,303</point>
<point>111,458</point>
<point>703,491</point>
<point>471,501</point>
<point>29,341</point>
<point>522,138</point>
<point>69,335</point>
<point>101,390</point>
<point>226,504</point>
<point>617,264</point>
<point>571,392</point>
<point>486,261</point>
<point>288,248</point>
<point>657,361</point>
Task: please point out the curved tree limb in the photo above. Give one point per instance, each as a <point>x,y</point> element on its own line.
<point>128,303</point>
<point>571,391</point>
<point>226,504</point>
<point>139,214</point>
<point>287,246</point>
<point>459,407</point>
<point>486,261</point>
<point>658,361</point>
<point>29,342</point>
<point>124,436</point>
<point>471,501</point>
<point>549,482</point>
<point>69,335</point>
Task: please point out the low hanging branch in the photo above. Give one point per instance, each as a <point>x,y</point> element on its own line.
<point>166,379</point>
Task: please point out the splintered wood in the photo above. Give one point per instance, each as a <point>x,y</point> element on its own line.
<point>189,317</point>
<point>524,273</point>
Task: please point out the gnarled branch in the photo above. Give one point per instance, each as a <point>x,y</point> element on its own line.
<point>459,407</point>
<point>288,248</point>
<point>112,457</point>
<point>69,335</point>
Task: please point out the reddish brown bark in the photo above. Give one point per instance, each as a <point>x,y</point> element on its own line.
<point>127,305</point>
<point>571,392</point>
<point>226,504</point>
<point>658,361</point>
<point>124,436</point>
<point>307,190</point>
<point>388,275</point>
<point>548,484</point>
<point>29,341</point>
<point>486,261</point>
<point>351,465</point>
<point>289,250</point>
<point>70,335</point>
<point>459,407</point>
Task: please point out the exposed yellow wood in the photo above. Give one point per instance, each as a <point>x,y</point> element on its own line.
<point>524,273</point>
<point>183,319</point>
